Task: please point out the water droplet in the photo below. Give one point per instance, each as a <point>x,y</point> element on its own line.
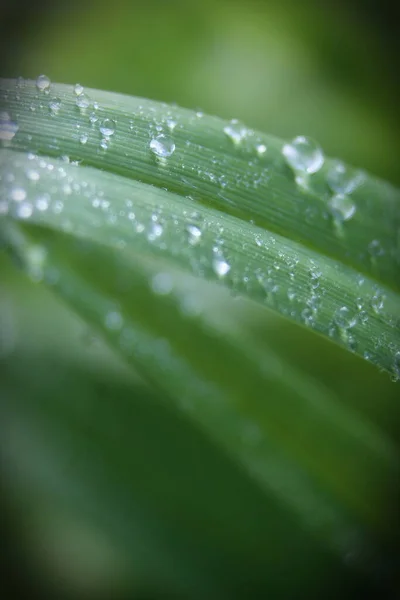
<point>220,266</point>
<point>107,127</point>
<point>32,175</point>
<point>83,138</point>
<point>25,210</point>
<point>93,118</point>
<point>78,89</point>
<point>104,144</point>
<point>375,248</point>
<point>342,179</point>
<point>261,149</point>
<point>43,83</point>
<point>156,231</point>
<point>377,302</point>
<point>113,320</point>
<point>55,105</point>
<point>194,234</point>
<point>162,146</point>
<point>42,202</point>
<point>344,318</point>
<point>162,284</point>
<point>342,207</point>
<point>303,154</point>
<point>171,124</point>
<point>82,101</point>
<point>18,194</point>
<point>235,131</point>
<point>8,128</point>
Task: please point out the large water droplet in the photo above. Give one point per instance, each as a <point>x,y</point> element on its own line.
<point>303,155</point>
<point>162,146</point>
<point>342,179</point>
<point>107,127</point>
<point>342,207</point>
<point>43,83</point>
<point>8,128</point>
<point>236,131</point>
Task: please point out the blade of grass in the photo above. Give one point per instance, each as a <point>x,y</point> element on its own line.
<point>314,290</point>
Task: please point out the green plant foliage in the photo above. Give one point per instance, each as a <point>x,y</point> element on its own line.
<point>152,222</point>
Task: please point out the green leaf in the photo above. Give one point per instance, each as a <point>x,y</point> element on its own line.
<point>120,236</point>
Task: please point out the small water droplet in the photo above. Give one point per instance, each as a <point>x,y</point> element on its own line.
<point>194,234</point>
<point>162,146</point>
<point>344,318</point>
<point>162,284</point>
<point>104,144</point>
<point>342,207</point>
<point>83,138</point>
<point>93,118</point>
<point>342,179</point>
<point>107,127</point>
<point>42,202</point>
<point>8,128</point>
<point>43,83</point>
<point>82,101</point>
<point>221,266</point>
<point>55,105</point>
<point>303,155</point>
<point>32,174</point>
<point>235,131</point>
<point>78,89</point>
<point>171,124</point>
<point>377,302</point>
<point>113,320</point>
<point>261,149</point>
<point>24,210</point>
<point>18,194</point>
<point>156,231</point>
<point>375,248</point>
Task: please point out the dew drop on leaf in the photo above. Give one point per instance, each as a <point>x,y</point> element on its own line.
<point>82,101</point>
<point>113,320</point>
<point>32,174</point>
<point>377,302</point>
<point>55,106</point>
<point>194,234</point>
<point>107,127</point>
<point>25,210</point>
<point>162,145</point>
<point>83,138</point>
<point>78,89</point>
<point>303,155</point>
<point>43,83</point>
<point>8,128</point>
<point>18,194</point>
<point>342,179</point>
<point>162,284</point>
<point>344,318</point>
<point>342,207</point>
<point>235,131</point>
<point>221,266</point>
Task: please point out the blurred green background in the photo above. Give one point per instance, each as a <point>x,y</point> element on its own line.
<point>323,69</point>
